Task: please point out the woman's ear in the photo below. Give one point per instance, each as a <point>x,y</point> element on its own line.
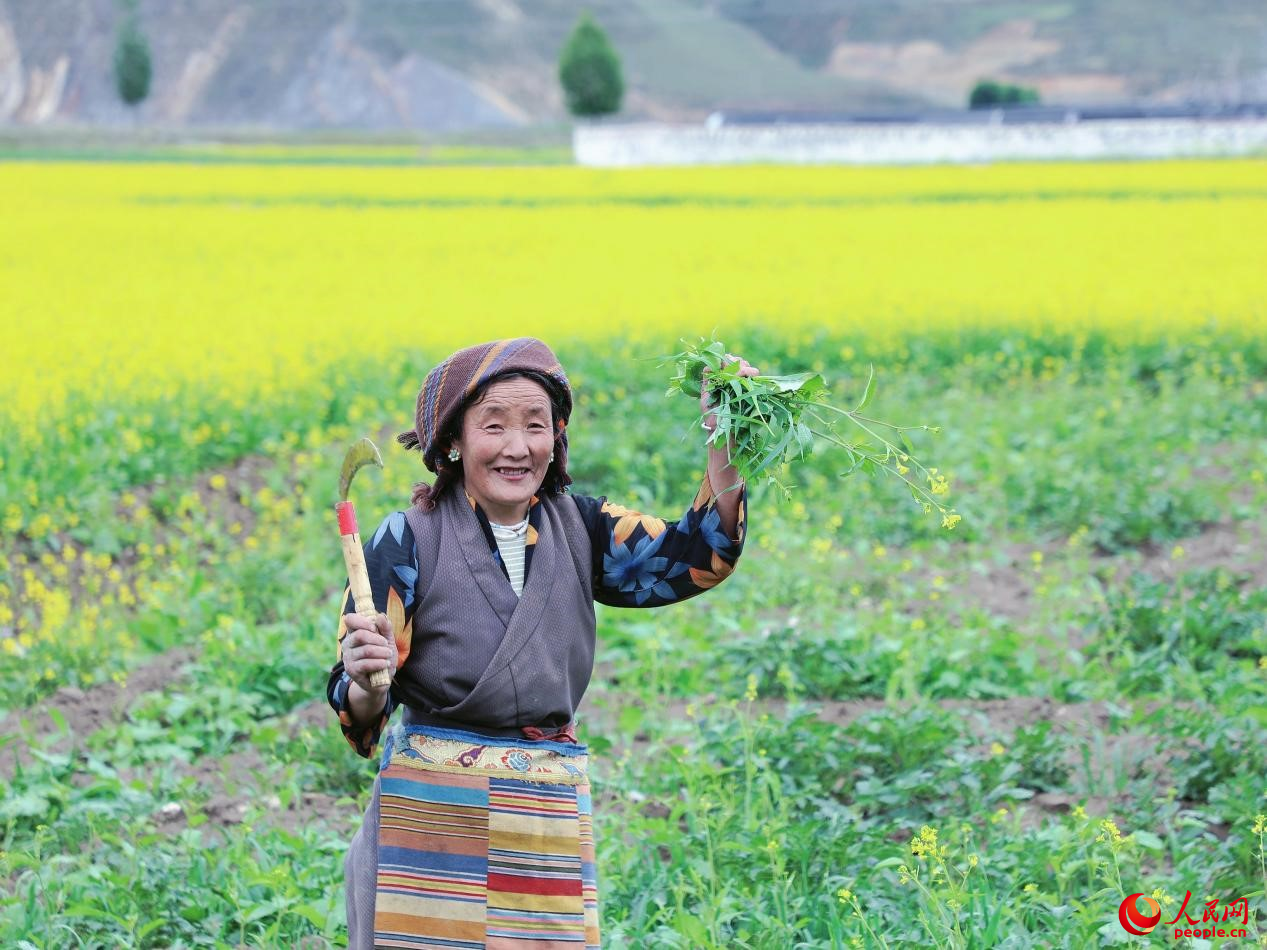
<point>453,440</point>
<point>447,445</point>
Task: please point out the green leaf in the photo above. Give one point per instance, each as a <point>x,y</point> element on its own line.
<point>29,805</point>
<point>804,440</point>
<point>267,909</point>
<point>311,914</point>
<point>631,718</point>
<point>869,392</point>
<point>95,913</point>
<point>150,927</point>
<point>793,382</point>
<point>691,928</point>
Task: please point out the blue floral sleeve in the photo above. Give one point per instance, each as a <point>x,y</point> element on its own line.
<point>643,561</point>
<point>392,561</point>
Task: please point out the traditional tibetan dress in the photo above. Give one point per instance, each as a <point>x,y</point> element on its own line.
<point>478,833</point>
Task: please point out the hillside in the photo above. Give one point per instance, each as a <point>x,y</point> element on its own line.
<point>444,65</point>
<point>1076,51</point>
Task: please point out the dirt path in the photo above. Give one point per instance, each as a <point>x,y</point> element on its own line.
<point>1239,546</point>
<point>235,783</point>
<point>1082,726</point>
<point>84,711</point>
<point>1008,589</point>
<point>238,783</point>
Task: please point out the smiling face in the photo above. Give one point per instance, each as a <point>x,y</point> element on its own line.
<point>506,440</point>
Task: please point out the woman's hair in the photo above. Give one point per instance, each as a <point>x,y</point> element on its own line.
<point>556,478</point>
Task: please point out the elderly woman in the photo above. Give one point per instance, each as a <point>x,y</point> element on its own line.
<point>478,833</point>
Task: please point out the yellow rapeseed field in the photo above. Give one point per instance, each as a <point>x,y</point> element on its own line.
<point>146,282</point>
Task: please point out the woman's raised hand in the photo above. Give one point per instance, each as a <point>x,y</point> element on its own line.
<point>745,369</point>
<point>368,646</point>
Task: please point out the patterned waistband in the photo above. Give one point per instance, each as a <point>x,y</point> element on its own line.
<point>433,749</point>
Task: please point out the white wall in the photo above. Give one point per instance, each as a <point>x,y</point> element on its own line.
<point>657,144</point>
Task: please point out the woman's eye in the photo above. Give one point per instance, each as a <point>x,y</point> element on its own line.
<point>492,428</point>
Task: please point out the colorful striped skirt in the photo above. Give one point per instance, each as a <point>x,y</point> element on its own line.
<point>475,842</point>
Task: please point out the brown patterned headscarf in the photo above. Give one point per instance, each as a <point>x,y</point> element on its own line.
<point>456,383</point>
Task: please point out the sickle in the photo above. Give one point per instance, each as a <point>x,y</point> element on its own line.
<point>363,452</point>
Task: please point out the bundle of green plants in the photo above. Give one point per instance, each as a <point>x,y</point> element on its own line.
<point>771,421</point>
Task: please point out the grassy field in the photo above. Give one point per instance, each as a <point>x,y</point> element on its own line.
<point>876,733</point>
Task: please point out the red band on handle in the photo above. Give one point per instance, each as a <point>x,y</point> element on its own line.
<point>347,517</point>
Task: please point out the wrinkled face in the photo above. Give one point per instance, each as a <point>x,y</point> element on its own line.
<point>506,442</point>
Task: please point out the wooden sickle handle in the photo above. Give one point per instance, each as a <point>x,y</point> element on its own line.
<point>358,576</point>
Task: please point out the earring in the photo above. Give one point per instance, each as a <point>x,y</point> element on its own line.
<point>551,456</point>
<point>454,455</point>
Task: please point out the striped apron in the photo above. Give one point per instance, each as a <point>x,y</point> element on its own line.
<point>473,842</point>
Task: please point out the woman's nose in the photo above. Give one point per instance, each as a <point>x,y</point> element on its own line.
<point>516,442</point>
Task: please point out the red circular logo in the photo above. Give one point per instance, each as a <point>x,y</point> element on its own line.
<point>1133,921</point>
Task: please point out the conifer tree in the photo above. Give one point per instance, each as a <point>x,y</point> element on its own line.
<point>589,71</point>
<point>132,65</point>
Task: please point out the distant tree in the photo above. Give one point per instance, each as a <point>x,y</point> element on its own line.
<point>132,66</point>
<point>984,94</point>
<point>589,71</point>
<point>1019,95</point>
<point>987,94</point>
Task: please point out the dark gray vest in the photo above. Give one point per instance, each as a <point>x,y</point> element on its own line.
<point>481,655</point>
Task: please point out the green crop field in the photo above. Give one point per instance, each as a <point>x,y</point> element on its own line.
<point>876,732</point>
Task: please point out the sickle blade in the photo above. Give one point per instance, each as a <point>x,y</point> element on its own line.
<point>363,452</point>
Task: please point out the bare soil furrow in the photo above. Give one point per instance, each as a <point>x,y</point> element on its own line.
<point>238,784</point>
<point>84,711</point>
<point>1008,588</point>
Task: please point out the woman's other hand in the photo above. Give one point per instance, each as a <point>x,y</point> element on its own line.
<point>722,475</point>
<point>368,646</point>
<point>705,402</point>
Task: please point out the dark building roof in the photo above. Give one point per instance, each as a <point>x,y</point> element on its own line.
<point>1006,115</point>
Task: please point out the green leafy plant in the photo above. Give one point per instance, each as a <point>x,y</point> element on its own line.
<point>774,420</point>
